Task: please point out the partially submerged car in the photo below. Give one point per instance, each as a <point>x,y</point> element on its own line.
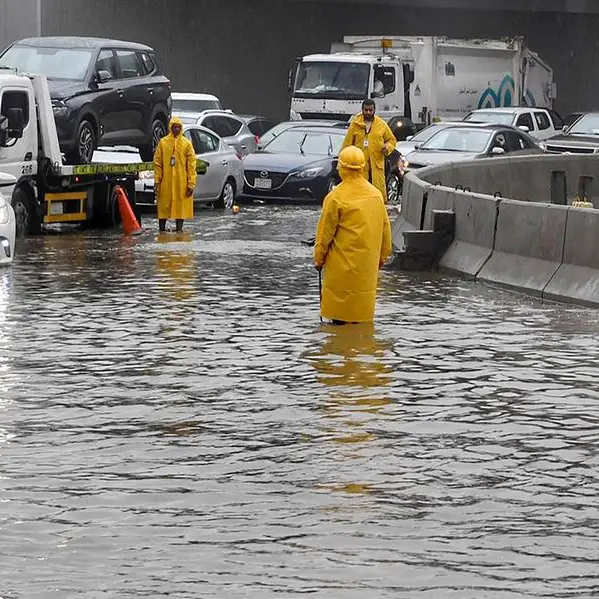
<point>459,143</point>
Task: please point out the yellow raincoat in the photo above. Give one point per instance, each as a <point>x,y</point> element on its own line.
<point>173,181</point>
<point>353,240</point>
<point>372,144</point>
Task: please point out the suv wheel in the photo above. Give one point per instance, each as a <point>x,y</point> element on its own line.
<point>85,144</point>
<point>158,131</point>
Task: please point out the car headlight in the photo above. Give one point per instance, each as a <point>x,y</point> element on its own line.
<point>309,173</point>
<point>59,108</point>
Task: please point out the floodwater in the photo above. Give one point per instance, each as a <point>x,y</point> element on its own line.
<point>174,422</point>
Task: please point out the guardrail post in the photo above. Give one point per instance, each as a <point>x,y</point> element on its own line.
<point>559,191</point>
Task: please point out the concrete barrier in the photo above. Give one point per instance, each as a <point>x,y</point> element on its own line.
<point>438,198</point>
<point>474,238</point>
<point>412,210</point>
<point>578,276</point>
<point>528,247</point>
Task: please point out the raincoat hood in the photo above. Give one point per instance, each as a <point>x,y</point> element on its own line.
<point>361,122</point>
<point>174,121</point>
<point>351,163</point>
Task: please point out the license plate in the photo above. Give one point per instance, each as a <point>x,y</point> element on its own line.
<point>262,183</point>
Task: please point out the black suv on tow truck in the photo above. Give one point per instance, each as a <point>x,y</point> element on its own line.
<point>104,92</point>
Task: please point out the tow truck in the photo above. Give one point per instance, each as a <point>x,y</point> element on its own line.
<point>46,190</point>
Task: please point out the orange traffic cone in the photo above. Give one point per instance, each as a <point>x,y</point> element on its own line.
<point>130,224</point>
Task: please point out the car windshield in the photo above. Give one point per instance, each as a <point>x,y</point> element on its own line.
<point>195,105</point>
<point>458,140</point>
<point>297,141</point>
<point>586,125</point>
<point>491,116</point>
<point>340,80</point>
<point>426,133</point>
<point>55,63</point>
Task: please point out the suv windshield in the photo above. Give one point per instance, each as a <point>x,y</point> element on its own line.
<point>492,117</point>
<point>340,80</point>
<point>458,140</point>
<point>295,141</point>
<point>55,63</point>
<point>195,105</point>
<point>586,125</point>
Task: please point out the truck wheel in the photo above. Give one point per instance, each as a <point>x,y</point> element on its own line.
<point>158,131</point>
<point>85,144</point>
<point>27,220</point>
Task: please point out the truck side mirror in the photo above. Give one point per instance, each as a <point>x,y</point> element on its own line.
<point>290,80</point>
<point>375,94</point>
<point>16,123</point>
<point>565,128</point>
<point>524,128</point>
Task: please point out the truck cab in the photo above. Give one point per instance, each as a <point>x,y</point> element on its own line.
<point>45,189</point>
<point>335,87</point>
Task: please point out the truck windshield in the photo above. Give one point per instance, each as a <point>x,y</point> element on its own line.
<point>55,63</point>
<point>587,125</point>
<point>338,80</point>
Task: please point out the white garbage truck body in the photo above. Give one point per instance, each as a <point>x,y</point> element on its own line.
<point>424,79</point>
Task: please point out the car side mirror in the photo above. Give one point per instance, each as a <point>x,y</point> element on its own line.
<point>103,76</point>
<point>497,151</point>
<point>524,128</point>
<point>15,123</point>
<point>409,137</point>
<point>565,128</point>
<point>416,146</point>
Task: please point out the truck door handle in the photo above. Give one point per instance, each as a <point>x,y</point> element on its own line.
<point>151,90</point>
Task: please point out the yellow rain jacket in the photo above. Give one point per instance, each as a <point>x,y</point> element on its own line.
<point>353,240</point>
<point>174,180</point>
<point>372,144</point>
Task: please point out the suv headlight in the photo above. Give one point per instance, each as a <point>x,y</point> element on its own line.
<point>308,173</point>
<point>59,108</point>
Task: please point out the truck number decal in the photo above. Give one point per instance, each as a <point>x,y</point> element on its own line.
<point>27,169</point>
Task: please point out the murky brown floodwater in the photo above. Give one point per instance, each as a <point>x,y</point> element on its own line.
<point>174,422</point>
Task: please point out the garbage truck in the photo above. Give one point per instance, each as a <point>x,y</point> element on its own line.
<point>45,189</point>
<point>421,79</point>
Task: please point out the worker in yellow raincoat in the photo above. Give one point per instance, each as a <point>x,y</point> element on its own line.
<point>353,240</point>
<point>174,176</point>
<point>373,136</point>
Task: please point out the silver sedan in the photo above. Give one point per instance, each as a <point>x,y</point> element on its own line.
<point>219,186</point>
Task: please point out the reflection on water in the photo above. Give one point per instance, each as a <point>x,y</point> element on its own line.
<point>175,423</point>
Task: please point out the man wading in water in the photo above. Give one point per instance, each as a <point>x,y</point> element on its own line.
<point>353,240</point>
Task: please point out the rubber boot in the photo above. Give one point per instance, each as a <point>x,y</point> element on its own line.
<point>162,225</point>
<point>179,225</point>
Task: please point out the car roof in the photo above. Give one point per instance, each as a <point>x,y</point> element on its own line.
<point>192,96</point>
<point>79,42</point>
<point>202,128</point>
<point>509,109</point>
<point>322,129</point>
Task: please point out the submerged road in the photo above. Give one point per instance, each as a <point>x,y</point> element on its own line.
<point>174,422</point>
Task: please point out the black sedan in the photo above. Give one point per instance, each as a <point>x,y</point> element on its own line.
<point>297,165</point>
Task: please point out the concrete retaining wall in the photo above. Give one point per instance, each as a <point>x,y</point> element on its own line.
<point>528,245</point>
<point>578,276</point>
<point>544,249</point>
